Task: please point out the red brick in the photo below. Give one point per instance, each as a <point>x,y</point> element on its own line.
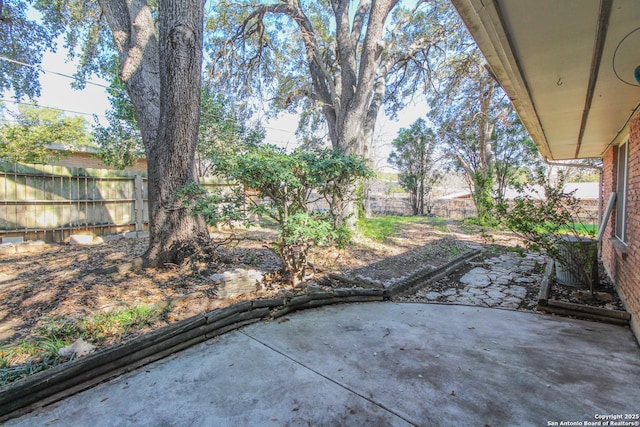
<point>623,266</point>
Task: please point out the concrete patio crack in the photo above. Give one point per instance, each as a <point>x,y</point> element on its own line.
<point>343,386</point>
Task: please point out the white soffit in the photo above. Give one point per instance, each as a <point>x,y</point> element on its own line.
<point>542,52</point>
<point>555,57</point>
<point>615,101</point>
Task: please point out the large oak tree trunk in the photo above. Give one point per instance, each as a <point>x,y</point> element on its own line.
<point>162,73</point>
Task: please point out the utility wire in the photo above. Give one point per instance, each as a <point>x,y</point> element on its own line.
<point>51,108</point>
<point>42,70</point>
<point>3,58</point>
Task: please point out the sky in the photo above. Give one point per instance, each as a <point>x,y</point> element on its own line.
<point>57,92</point>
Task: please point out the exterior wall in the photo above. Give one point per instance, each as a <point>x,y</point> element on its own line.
<point>623,262</point>
<point>90,161</point>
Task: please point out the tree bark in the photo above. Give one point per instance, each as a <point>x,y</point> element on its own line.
<point>162,73</point>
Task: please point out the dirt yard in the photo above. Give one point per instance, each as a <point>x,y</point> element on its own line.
<point>48,297</point>
<point>63,281</point>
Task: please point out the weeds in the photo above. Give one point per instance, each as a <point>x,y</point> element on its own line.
<point>119,323</point>
<point>439,224</point>
<point>40,351</point>
<point>382,227</point>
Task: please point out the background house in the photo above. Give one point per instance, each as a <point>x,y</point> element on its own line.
<point>568,67</point>
<point>87,157</point>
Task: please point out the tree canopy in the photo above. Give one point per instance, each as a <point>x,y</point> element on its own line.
<point>413,154</point>
<point>22,41</point>
<point>36,130</point>
<point>337,63</point>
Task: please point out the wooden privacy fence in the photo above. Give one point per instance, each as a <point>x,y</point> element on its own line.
<point>380,205</point>
<point>52,202</point>
<point>43,202</point>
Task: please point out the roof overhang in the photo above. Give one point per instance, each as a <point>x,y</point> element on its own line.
<point>567,66</point>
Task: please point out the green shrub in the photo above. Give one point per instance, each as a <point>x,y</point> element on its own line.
<point>549,220</point>
<point>284,187</point>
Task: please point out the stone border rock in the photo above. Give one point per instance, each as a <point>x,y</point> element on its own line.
<point>422,277</point>
<point>48,386</point>
<point>29,246</point>
<point>581,311</point>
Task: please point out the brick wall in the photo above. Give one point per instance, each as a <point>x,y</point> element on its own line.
<point>88,160</point>
<point>623,262</point>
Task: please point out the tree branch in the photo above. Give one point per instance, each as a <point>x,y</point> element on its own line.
<point>321,77</point>
<point>398,27</point>
<point>252,24</point>
<point>358,22</point>
<point>133,29</point>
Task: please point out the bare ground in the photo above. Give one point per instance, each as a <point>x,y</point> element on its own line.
<point>64,282</point>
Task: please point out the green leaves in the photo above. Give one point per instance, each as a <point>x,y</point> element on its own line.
<point>222,131</point>
<point>550,220</point>
<point>216,207</point>
<point>37,129</point>
<point>303,228</point>
<point>286,188</point>
<point>288,183</point>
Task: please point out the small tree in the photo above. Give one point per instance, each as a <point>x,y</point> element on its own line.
<point>413,154</point>
<point>286,186</point>
<point>119,141</point>
<point>29,140</point>
<point>550,220</point>
<point>222,130</point>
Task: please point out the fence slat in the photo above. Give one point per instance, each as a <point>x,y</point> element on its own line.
<point>58,201</point>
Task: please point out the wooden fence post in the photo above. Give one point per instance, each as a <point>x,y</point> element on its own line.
<point>139,205</point>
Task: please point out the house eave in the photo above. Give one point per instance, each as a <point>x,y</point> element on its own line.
<point>567,67</point>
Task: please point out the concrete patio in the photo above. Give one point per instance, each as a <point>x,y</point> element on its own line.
<point>377,364</point>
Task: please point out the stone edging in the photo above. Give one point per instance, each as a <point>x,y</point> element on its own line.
<point>580,311</point>
<point>72,377</point>
<point>426,275</point>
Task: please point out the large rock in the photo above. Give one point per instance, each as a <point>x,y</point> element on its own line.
<point>238,282</point>
<point>477,278</point>
<point>79,347</point>
<point>80,239</point>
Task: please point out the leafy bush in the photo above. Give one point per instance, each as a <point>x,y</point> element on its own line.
<point>217,208</point>
<point>285,187</point>
<point>550,220</point>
